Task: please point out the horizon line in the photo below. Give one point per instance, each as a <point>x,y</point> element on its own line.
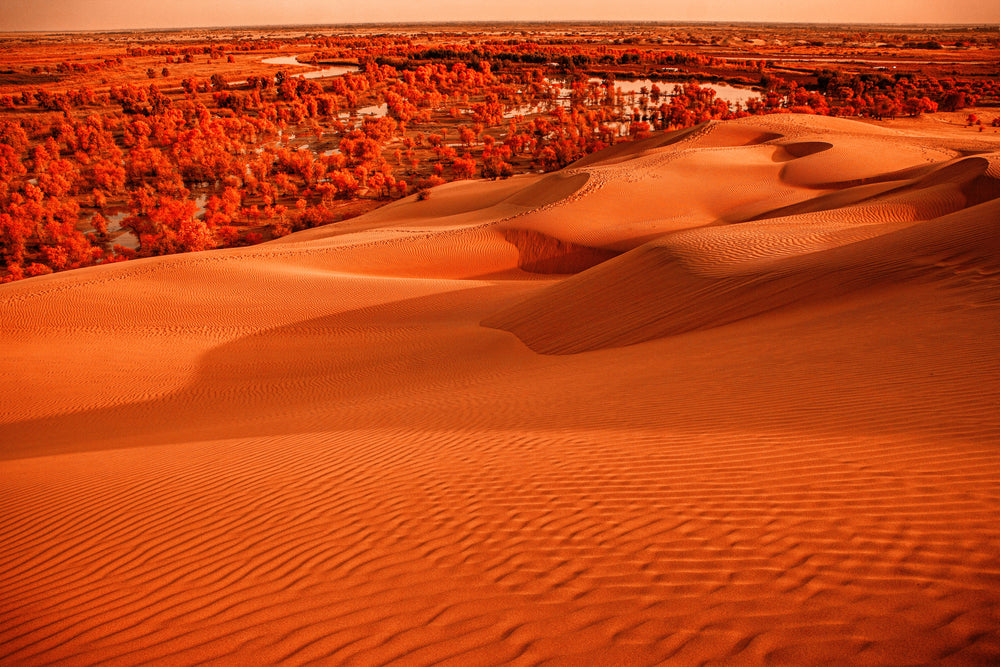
<point>515,22</point>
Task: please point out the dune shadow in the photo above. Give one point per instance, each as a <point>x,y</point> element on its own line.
<point>544,254</point>
<point>619,303</point>
<point>336,360</point>
<point>786,152</point>
<point>968,175</point>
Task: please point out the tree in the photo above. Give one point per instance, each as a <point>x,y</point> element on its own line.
<point>100,224</point>
<point>464,167</point>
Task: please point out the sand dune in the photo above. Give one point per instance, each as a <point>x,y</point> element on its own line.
<point>727,395</point>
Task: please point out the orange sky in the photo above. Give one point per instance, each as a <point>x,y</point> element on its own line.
<point>109,14</point>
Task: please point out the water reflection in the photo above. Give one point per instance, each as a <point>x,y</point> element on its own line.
<point>730,94</point>
<point>292,61</point>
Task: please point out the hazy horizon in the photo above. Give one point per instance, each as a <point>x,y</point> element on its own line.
<point>100,15</point>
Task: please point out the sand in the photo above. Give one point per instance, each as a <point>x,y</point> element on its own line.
<point>727,396</point>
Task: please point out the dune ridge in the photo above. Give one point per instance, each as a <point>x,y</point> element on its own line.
<point>726,395</point>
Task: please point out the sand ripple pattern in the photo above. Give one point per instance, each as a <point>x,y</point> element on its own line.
<point>735,402</point>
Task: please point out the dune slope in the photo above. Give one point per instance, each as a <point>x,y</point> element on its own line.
<point>727,395</point>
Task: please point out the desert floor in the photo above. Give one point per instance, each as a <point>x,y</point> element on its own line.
<point>728,395</point>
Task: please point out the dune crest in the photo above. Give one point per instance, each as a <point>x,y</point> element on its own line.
<point>722,395</point>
